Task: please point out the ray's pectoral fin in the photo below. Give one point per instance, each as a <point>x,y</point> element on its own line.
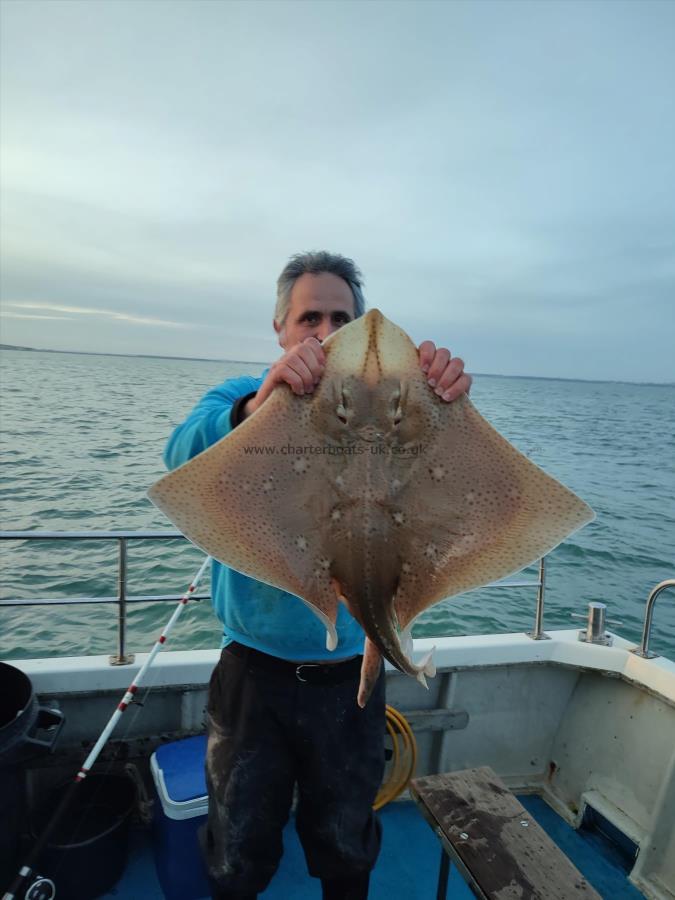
<point>316,591</point>
<point>325,608</point>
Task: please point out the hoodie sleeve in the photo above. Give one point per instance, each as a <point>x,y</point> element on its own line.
<point>209,421</point>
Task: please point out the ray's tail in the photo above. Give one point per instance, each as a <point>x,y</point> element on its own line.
<point>372,660</point>
<point>382,637</point>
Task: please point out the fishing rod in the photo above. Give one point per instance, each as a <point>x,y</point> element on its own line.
<point>27,870</point>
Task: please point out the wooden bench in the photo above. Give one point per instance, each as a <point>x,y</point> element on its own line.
<point>499,849</point>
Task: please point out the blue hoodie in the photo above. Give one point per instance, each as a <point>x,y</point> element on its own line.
<point>253,613</point>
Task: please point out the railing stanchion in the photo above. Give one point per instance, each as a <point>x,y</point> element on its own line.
<point>122,658</point>
<point>538,633</point>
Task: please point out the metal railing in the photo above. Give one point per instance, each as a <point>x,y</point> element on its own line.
<point>643,650</point>
<point>122,599</point>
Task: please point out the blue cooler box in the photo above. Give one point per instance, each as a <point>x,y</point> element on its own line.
<point>178,773</point>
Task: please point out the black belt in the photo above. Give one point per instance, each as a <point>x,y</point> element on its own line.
<point>307,673</point>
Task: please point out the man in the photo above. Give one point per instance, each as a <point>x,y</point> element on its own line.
<point>282,709</point>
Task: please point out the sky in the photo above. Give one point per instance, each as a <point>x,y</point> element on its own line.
<point>502,172</point>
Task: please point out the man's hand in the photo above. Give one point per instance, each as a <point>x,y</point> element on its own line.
<point>300,368</point>
<point>445,373</point>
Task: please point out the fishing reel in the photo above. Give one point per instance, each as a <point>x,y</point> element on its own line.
<point>41,889</point>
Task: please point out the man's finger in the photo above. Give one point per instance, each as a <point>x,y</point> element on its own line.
<point>440,361</point>
<point>296,364</point>
<point>314,346</point>
<point>453,371</point>
<point>461,386</point>
<point>315,361</point>
<point>426,351</point>
<point>289,376</point>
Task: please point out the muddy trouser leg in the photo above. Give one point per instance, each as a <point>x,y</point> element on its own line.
<point>250,773</point>
<point>341,753</point>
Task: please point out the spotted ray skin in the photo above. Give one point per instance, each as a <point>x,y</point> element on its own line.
<point>371,491</point>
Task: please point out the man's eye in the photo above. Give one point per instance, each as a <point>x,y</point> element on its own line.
<point>341,318</point>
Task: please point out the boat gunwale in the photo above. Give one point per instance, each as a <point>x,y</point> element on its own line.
<point>88,674</point>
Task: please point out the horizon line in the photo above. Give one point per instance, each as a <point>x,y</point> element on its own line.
<point>254,362</point>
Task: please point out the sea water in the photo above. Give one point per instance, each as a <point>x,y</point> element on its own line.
<point>82,440</point>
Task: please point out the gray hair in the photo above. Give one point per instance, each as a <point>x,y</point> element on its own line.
<point>315,262</point>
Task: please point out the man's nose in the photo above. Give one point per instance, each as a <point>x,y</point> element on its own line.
<point>324,330</point>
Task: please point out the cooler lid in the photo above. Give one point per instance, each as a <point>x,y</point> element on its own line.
<point>178,772</point>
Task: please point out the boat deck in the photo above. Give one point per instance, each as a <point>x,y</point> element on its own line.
<point>408,864</point>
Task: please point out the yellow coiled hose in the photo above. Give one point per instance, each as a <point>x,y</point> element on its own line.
<point>404,758</point>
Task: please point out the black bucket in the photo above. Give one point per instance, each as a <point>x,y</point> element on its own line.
<point>21,717</point>
<point>27,730</point>
<point>87,851</point>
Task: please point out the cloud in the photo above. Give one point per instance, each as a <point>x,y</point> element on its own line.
<point>10,315</point>
<point>103,313</point>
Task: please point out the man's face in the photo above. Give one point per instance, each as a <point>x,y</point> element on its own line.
<point>320,304</point>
